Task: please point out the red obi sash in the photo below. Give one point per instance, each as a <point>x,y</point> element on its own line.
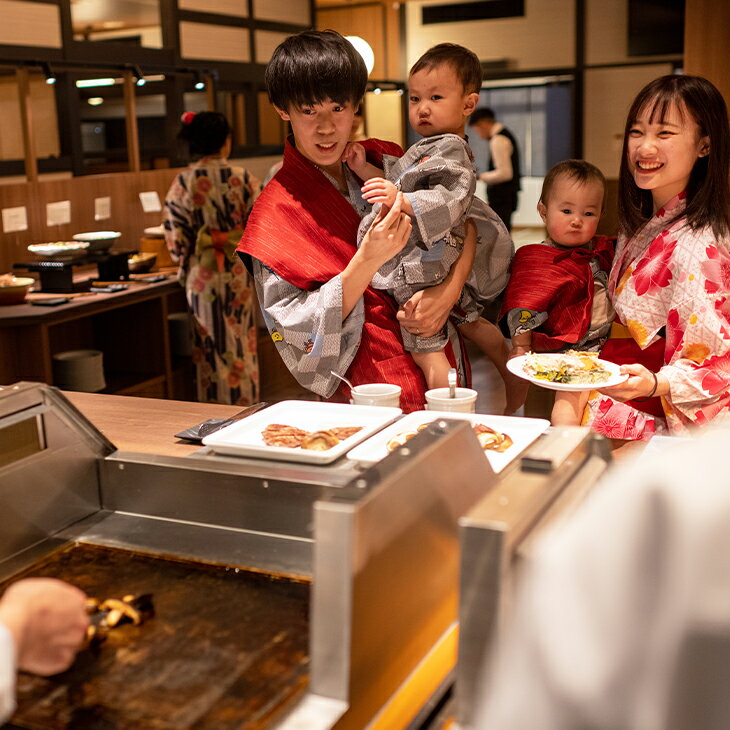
<point>559,282</point>
<point>305,230</point>
<point>623,349</point>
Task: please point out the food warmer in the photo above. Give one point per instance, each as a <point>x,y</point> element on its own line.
<point>286,595</point>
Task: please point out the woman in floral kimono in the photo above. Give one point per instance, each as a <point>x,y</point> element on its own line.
<point>205,211</point>
<point>670,281</point>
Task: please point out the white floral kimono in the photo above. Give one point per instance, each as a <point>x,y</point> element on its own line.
<point>671,289</point>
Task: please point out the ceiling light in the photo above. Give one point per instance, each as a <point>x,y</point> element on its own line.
<point>199,82</point>
<point>95,100</point>
<point>88,83</point>
<point>50,76</point>
<point>141,80</point>
<point>364,49</point>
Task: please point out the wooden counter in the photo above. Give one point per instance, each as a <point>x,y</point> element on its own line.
<point>146,425</point>
<point>129,327</point>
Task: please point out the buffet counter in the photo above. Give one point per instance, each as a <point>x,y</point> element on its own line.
<point>129,327</point>
<point>336,585</point>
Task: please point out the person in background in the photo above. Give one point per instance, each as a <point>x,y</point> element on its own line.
<point>437,180</point>
<point>670,280</point>
<point>312,280</point>
<point>43,623</point>
<point>503,176</point>
<point>557,296</point>
<point>206,210</point>
<point>622,614</point>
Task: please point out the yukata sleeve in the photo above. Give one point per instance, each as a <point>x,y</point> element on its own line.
<point>698,337</point>
<point>307,328</point>
<point>178,221</point>
<point>446,190</point>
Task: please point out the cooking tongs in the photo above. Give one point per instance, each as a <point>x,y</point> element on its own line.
<point>198,432</point>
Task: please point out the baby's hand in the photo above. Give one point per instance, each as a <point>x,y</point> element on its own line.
<point>354,157</point>
<point>379,190</point>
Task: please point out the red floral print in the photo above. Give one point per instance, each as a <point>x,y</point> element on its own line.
<point>652,272</point>
<point>716,270</point>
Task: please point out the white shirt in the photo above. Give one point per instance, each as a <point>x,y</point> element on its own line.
<point>624,617</point>
<point>7,674</point>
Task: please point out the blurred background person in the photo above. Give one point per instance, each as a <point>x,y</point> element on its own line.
<point>622,621</point>
<point>42,625</point>
<point>503,176</point>
<point>206,210</point>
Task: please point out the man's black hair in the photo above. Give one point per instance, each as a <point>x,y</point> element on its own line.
<point>483,112</point>
<point>315,66</point>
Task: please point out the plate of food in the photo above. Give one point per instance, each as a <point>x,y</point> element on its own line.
<point>501,437</point>
<point>60,250</point>
<point>307,431</point>
<point>572,371</point>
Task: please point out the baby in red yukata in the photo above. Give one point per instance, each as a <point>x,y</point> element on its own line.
<point>557,297</point>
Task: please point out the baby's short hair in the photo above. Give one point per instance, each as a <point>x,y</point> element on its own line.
<point>579,170</point>
<point>465,63</point>
<point>315,66</point>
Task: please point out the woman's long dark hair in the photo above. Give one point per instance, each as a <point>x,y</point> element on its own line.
<point>708,190</point>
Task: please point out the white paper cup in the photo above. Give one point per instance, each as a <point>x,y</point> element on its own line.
<point>376,394</point>
<point>464,402</point>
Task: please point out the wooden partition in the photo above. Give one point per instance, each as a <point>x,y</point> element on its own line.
<point>123,188</point>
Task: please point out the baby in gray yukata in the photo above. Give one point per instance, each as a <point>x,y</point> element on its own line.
<point>438,181</point>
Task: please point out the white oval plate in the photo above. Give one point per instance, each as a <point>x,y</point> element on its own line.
<point>91,236</point>
<point>516,366</point>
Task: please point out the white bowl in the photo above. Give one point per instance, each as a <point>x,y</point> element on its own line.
<point>98,240</point>
<point>60,250</point>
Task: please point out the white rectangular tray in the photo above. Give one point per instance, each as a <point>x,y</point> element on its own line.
<point>243,438</point>
<point>522,431</point>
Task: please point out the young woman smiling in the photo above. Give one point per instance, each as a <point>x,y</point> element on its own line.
<point>670,281</point>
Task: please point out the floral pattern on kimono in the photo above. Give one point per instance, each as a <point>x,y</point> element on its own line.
<point>675,279</point>
<point>211,201</point>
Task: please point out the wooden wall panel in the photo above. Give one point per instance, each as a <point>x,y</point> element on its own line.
<point>214,42</point>
<point>543,38</point>
<point>283,11</point>
<point>706,47</point>
<point>123,188</point>
<point>366,21</point>
<point>266,43</point>
<point>225,7</point>
<point>30,24</point>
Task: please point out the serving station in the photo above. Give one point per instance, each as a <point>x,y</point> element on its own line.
<point>287,594</point>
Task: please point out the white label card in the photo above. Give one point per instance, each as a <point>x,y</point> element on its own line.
<point>58,214</point>
<point>150,202</point>
<point>102,208</point>
<point>15,219</point>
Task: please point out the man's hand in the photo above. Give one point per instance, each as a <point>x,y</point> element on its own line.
<point>379,190</point>
<point>426,312</point>
<point>47,619</point>
<point>388,234</point>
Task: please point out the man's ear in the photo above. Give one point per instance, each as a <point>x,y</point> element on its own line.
<point>470,103</point>
<point>282,113</point>
<point>542,210</point>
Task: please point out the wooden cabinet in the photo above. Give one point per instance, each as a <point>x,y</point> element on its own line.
<point>130,329</point>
